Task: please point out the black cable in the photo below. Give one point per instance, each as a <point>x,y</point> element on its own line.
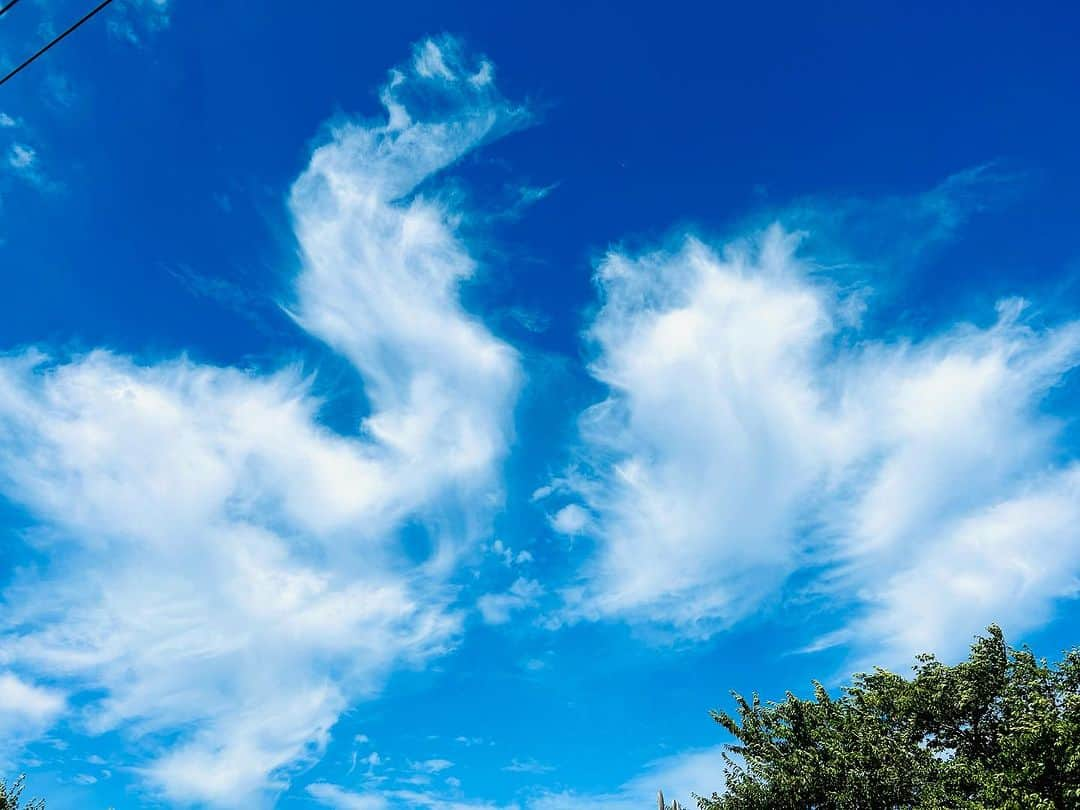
<point>8,5</point>
<point>88,15</point>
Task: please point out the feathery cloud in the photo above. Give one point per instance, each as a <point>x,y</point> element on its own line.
<point>751,430</point>
<point>221,570</point>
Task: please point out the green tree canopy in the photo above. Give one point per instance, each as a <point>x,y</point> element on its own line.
<point>999,730</point>
<point>11,796</point>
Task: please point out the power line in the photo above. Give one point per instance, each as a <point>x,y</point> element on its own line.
<point>7,6</point>
<point>88,15</point>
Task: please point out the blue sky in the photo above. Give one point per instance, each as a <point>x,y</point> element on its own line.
<point>444,407</point>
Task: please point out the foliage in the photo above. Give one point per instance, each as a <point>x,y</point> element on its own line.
<point>1000,730</point>
<point>11,796</point>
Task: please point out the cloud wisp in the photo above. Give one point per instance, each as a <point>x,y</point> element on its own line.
<point>217,575</point>
<point>679,776</point>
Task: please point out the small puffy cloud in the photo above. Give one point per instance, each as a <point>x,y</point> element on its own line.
<point>535,664</point>
<point>23,161</point>
<point>508,556</point>
<point>6,121</point>
<point>21,156</point>
<point>751,429</point>
<point>571,520</point>
<point>469,741</point>
<point>543,492</point>
<point>498,608</point>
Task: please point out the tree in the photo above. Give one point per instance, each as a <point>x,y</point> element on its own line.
<point>11,796</point>
<point>999,730</point>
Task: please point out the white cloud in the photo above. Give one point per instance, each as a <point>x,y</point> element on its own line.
<point>26,711</point>
<point>527,766</point>
<point>135,20</point>
<point>24,162</point>
<point>21,156</point>
<point>497,608</point>
<point>751,429</point>
<point>695,771</point>
<point>60,92</point>
<point>571,519</point>
<point>508,556</point>
<point>6,121</point>
<point>431,64</point>
<point>21,699</point>
<point>220,566</point>
<point>530,320</point>
<point>1006,561</point>
<point>340,799</point>
<point>371,760</point>
<point>188,509</point>
<point>431,765</point>
<point>469,741</point>
<point>678,776</point>
<point>433,801</point>
<point>712,431</point>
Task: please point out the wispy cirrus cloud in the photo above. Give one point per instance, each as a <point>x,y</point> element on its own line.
<point>20,158</point>
<point>221,575</point>
<point>339,798</point>
<point>753,430</point>
<point>679,775</point>
<point>885,238</point>
<point>330,795</point>
<point>134,20</point>
<point>498,608</point>
<point>26,710</point>
<point>527,766</point>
